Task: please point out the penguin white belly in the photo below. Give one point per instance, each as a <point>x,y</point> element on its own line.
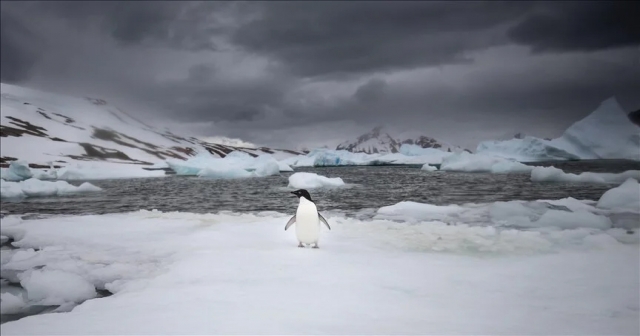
<point>307,222</point>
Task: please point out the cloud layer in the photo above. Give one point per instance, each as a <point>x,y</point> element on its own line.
<point>294,74</point>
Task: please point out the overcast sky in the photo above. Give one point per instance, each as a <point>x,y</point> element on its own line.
<point>293,74</point>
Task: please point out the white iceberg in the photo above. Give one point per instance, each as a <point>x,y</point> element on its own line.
<point>302,180</point>
<point>623,197</point>
<point>17,171</point>
<point>553,174</point>
<point>467,162</point>
<point>607,133</point>
<point>37,188</point>
<point>409,155</point>
<point>217,271</point>
<point>429,167</point>
<point>236,164</point>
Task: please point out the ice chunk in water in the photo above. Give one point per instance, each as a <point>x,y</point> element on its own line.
<point>623,197</point>
<point>304,180</point>
<point>552,174</point>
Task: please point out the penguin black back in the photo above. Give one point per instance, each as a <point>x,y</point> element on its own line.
<point>302,193</point>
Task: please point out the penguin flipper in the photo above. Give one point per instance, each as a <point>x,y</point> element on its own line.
<point>290,222</point>
<point>323,220</point>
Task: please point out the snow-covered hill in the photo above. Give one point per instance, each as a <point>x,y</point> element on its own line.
<point>43,128</point>
<point>607,133</point>
<point>380,141</point>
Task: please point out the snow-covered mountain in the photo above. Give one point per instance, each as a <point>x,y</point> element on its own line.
<point>43,128</point>
<point>606,133</point>
<point>380,141</point>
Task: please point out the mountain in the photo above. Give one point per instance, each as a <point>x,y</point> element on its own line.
<point>606,133</point>
<point>379,141</point>
<point>43,128</point>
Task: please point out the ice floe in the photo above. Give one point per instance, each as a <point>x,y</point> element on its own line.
<point>467,162</point>
<point>37,188</point>
<point>304,180</point>
<point>552,174</point>
<point>215,272</point>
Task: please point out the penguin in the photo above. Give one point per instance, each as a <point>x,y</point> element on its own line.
<point>307,219</point>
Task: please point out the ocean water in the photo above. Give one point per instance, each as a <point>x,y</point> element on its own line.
<point>368,188</point>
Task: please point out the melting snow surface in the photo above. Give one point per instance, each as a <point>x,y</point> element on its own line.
<point>230,273</point>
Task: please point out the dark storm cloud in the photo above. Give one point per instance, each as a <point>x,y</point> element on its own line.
<point>371,91</point>
<point>285,73</point>
<point>580,26</point>
<point>20,48</point>
<point>320,38</point>
<point>183,25</point>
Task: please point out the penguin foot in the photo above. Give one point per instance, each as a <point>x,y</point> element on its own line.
<point>315,246</point>
<point>300,245</point>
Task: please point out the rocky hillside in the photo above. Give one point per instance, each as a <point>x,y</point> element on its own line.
<point>43,129</point>
<point>380,141</point>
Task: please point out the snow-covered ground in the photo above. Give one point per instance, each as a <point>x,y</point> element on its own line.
<point>606,133</point>
<point>544,267</point>
<point>93,138</point>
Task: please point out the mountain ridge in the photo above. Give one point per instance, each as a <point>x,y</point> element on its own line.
<point>50,129</point>
<point>378,140</point>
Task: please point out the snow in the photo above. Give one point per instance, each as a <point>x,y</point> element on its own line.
<point>184,273</point>
<point>606,133</point>
<point>379,141</point>
<point>556,214</point>
<point>467,162</point>
<point>624,197</point>
<point>56,287</point>
<point>552,174</point>
<point>37,188</point>
<point>302,180</point>
<point>65,124</point>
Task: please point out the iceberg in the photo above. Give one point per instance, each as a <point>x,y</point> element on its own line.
<point>236,164</point>
<point>623,197</point>
<point>302,180</point>
<point>428,167</point>
<point>37,188</point>
<point>467,162</point>
<point>527,149</point>
<point>330,158</point>
<point>607,133</point>
<point>553,174</point>
<point>17,171</point>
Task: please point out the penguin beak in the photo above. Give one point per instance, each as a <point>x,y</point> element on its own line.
<point>293,192</point>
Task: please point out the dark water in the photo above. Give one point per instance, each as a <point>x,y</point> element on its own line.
<point>373,187</point>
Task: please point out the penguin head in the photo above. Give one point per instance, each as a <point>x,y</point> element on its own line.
<point>302,193</point>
